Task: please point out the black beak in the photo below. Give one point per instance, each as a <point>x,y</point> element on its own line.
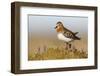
<point>55,27</point>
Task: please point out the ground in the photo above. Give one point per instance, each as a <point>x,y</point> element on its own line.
<point>50,49</point>
<point>57,53</point>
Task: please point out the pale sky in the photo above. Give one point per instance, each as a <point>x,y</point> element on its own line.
<point>44,25</point>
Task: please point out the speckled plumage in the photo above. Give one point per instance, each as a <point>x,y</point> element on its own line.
<point>64,33</point>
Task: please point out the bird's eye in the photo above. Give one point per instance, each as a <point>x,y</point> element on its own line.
<point>56,27</point>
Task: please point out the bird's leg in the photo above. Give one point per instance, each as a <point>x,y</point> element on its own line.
<point>70,46</point>
<point>66,45</point>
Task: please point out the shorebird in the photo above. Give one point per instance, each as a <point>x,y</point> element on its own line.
<point>65,34</point>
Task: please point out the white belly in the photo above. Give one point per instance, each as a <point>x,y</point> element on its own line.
<point>62,37</point>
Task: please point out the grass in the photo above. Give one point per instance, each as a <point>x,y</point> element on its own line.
<point>52,49</point>
<point>57,53</point>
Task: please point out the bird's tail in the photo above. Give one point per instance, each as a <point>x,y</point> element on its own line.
<point>77,38</point>
<point>76,33</point>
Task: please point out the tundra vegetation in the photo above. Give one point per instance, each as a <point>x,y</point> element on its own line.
<point>56,50</point>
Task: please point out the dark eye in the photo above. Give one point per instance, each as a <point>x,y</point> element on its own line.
<point>56,27</point>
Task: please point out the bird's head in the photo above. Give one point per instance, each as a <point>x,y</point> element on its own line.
<point>59,26</point>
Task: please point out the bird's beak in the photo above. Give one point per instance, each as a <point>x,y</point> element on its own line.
<point>55,27</point>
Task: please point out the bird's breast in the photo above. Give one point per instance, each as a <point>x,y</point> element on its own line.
<point>62,37</point>
<point>59,29</point>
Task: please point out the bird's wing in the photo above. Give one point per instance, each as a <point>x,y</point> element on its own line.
<point>68,34</point>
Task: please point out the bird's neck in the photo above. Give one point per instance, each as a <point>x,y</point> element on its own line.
<point>60,30</point>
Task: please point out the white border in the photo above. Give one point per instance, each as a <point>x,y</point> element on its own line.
<point>25,64</point>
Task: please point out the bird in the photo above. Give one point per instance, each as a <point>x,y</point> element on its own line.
<point>65,34</point>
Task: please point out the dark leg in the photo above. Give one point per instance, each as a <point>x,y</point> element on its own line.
<point>66,45</point>
<point>70,45</point>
